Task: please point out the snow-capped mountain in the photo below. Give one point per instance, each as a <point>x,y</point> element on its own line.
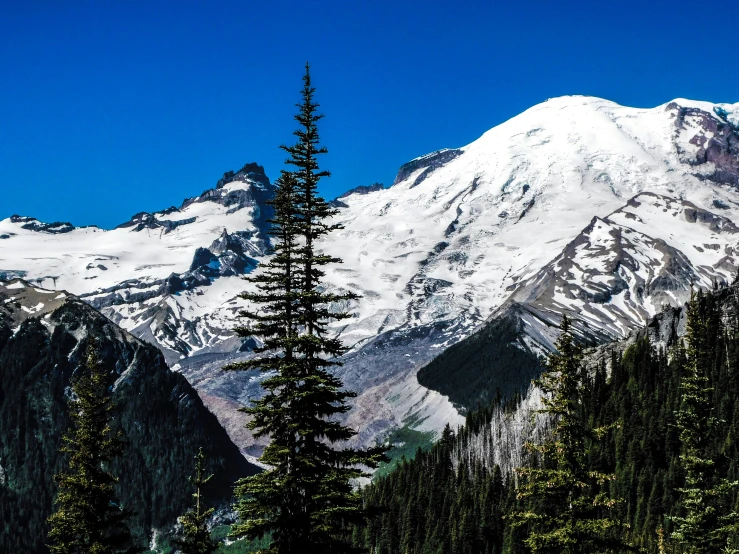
<point>577,204</point>
<point>168,277</point>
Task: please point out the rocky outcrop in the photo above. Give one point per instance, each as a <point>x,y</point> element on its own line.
<point>362,190</point>
<point>226,256</point>
<point>428,163</point>
<point>33,224</point>
<point>611,277</point>
<point>715,147</point>
<point>145,220</point>
<point>251,171</point>
<point>157,319</point>
<point>235,199</point>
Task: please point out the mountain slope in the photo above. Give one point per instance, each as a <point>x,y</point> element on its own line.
<point>504,206</point>
<point>610,278</point>
<point>461,487</point>
<point>43,337</point>
<point>153,274</point>
<point>577,204</point>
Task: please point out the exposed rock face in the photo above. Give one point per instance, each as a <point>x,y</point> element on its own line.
<point>227,256</point>
<point>715,152</point>
<point>363,189</point>
<point>382,373</point>
<point>235,253</point>
<point>251,171</point>
<point>145,220</point>
<point>33,224</point>
<point>428,163</point>
<point>235,199</point>
<point>163,322</point>
<point>614,271</point>
<point>607,278</point>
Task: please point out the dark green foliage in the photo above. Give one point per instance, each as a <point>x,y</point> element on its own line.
<point>162,419</point>
<point>404,443</point>
<point>306,500</point>
<point>87,516</point>
<point>220,533</point>
<point>703,527</point>
<point>195,537</point>
<point>646,394</point>
<point>430,508</point>
<point>565,506</point>
<point>490,364</point>
<point>643,394</point>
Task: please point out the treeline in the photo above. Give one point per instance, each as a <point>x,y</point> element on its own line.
<point>659,437</point>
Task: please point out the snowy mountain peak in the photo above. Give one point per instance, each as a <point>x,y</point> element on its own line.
<point>578,205</point>
<point>33,224</point>
<point>251,172</point>
<point>247,188</point>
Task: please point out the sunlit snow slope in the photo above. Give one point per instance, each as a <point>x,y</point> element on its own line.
<point>578,204</point>
<point>458,239</point>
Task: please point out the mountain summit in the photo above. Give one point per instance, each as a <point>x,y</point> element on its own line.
<point>577,205</point>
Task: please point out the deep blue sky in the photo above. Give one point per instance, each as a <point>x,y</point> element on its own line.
<point>109,108</point>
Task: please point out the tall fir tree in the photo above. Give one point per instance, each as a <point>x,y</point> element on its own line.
<point>306,500</point>
<point>331,471</point>
<point>87,516</point>
<point>195,537</point>
<point>565,506</point>
<point>707,523</point>
<point>269,502</point>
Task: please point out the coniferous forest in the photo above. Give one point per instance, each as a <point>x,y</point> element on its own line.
<point>648,401</point>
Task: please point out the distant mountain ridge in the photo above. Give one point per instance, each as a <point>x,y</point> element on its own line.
<point>577,205</point>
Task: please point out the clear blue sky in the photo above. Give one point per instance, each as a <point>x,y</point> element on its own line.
<point>112,107</point>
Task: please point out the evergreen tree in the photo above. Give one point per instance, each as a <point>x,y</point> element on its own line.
<point>269,502</point>
<point>306,500</point>
<point>195,533</point>
<point>328,472</point>
<point>702,528</point>
<point>87,517</point>
<point>565,506</point>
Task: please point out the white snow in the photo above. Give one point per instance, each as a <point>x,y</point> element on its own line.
<point>574,157</point>
<point>61,261</point>
<point>453,247</point>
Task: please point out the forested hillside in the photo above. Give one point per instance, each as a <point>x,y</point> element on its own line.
<point>162,420</point>
<point>463,371</point>
<point>443,501</point>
